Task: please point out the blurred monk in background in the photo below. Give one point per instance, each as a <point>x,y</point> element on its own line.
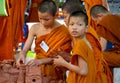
<point>108,27</point>
<point>11,32</point>
<point>90,3</point>
<point>33,13</point>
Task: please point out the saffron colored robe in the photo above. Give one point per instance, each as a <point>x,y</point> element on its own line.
<point>109,28</point>
<point>57,39</point>
<point>11,28</point>
<point>98,70</point>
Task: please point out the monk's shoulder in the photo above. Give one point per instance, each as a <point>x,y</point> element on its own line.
<point>81,44</point>
<point>36,26</point>
<point>80,48</point>
<point>58,25</point>
<point>35,29</point>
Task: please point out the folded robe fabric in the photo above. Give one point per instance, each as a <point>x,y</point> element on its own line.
<point>58,39</point>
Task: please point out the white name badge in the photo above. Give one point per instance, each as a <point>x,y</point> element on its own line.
<point>44,46</point>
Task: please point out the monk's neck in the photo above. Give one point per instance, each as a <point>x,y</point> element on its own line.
<point>75,40</point>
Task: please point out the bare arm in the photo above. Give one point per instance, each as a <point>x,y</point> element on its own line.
<point>40,62</point>
<point>103,43</point>
<point>81,68</point>
<point>27,46</point>
<point>28,42</point>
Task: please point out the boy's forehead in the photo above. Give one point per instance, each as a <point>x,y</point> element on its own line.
<point>44,14</point>
<point>76,18</point>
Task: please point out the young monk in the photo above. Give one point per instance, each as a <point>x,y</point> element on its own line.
<point>33,15</point>
<point>87,64</point>
<point>108,27</point>
<point>50,36</point>
<point>68,7</point>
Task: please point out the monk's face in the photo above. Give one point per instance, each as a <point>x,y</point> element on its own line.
<point>66,17</point>
<point>77,27</point>
<point>46,19</point>
<point>98,17</point>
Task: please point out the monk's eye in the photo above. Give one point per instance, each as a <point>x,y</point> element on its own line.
<point>80,24</point>
<point>71,24</point>
<point>40,18</point>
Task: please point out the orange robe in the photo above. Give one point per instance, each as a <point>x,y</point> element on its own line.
<point>98,71</point>
<point>109,28</point>
<point>33,14</point>
<point>11,28</point>
<point>58,39</point>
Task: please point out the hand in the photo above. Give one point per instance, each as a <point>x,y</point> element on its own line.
<point>53,54</point>
<point>59,61</point>
<point>20,60</point>
<point>33,62</point>
<point>64,54</point>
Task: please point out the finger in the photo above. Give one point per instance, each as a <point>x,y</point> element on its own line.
<point>54,63</point>
<point>23,61</point>
<point>29,62</point>
<point>54,60</point>
<point>18,62</point>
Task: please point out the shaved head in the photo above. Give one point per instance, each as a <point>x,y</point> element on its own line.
<point>97,9</point>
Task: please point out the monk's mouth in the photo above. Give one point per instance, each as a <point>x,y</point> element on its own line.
<point>74,32</point>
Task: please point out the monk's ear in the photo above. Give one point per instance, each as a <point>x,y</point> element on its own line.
<point>99,15</point>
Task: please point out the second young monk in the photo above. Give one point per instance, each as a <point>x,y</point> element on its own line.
<point>70,6</point>
<point>87,64</point>
<point>49,36</point>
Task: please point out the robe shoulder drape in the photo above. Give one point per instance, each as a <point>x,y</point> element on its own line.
<point>101,65</point>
